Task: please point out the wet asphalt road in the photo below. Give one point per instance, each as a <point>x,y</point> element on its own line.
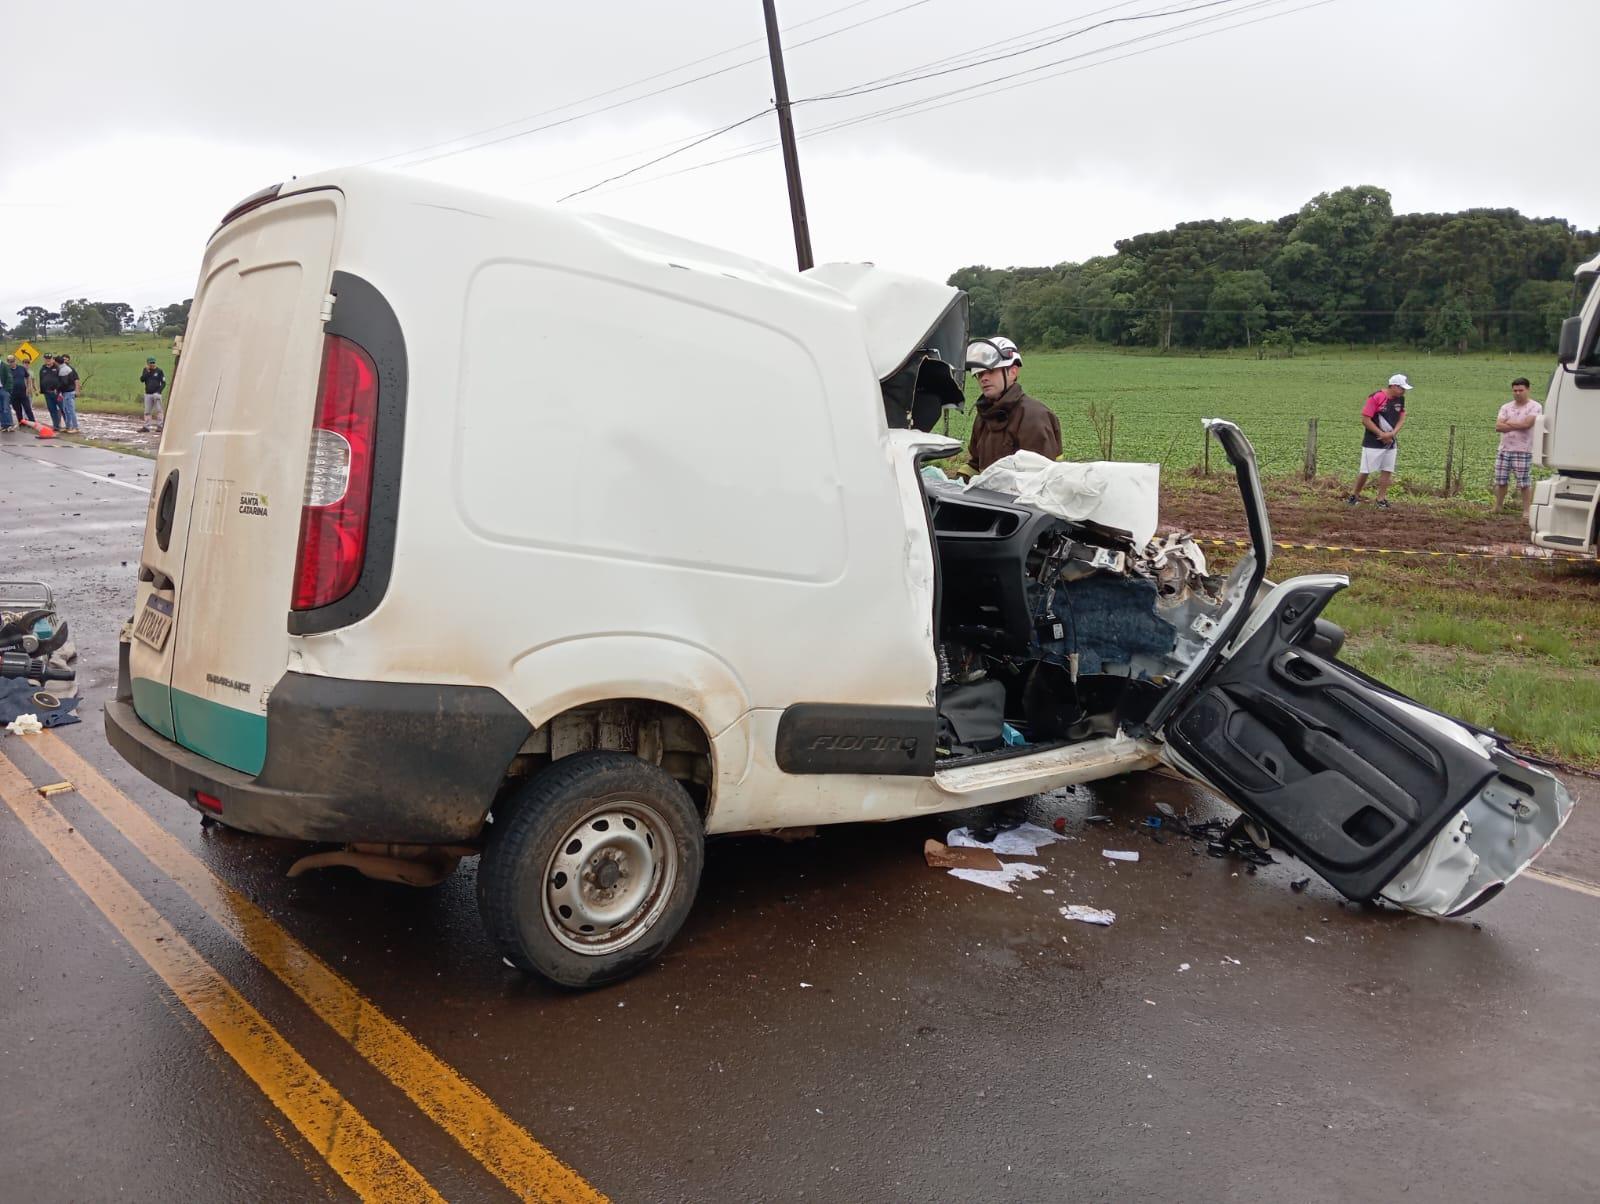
<point>837,1021</point>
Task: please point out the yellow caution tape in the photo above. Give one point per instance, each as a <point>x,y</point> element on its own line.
<point>1318,547</point>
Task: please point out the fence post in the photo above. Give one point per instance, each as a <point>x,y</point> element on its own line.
<point>1311,449</point>
<point>1205,452</point>
<point>1450,462</point>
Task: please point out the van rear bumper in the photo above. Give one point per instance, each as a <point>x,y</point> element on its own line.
<point>347,761</point>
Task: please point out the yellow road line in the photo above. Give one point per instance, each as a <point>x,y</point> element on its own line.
<point>504,1147</point>
<point>1574,884</point>
<point>352,1147</point>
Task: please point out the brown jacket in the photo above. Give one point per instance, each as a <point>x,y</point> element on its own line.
<point>1014,423</point>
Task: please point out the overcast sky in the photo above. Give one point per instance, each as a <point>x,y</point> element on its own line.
<point>125,149</point>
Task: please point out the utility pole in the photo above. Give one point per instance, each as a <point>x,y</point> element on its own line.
<point>791,159</point>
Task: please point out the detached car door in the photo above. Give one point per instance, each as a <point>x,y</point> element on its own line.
<point>1380,795</point>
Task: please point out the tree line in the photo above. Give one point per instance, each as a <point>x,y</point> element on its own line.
<point>87,320</point>
<point>1344,269</point>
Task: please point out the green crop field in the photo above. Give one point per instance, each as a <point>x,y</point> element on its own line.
<point>110,370</point>
<point>1158,402</point>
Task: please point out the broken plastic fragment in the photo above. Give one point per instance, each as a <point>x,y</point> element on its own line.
<point>1119,854</point>
<point>25,725</point>
<point>1105,917</point>
<point>1182,966</point>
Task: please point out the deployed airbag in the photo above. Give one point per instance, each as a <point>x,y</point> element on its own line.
<point>1108,492</point>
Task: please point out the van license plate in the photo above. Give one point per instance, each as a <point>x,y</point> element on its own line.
<point>155,623</point>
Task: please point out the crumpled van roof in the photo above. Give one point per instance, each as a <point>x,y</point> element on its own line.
<point>899,313</point>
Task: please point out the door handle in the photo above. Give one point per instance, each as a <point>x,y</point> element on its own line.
<point>1292,665</point>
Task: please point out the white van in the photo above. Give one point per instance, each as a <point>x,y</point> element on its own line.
<point>486,527</point>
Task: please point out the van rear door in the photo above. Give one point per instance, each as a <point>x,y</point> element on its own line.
<point>216,577</point>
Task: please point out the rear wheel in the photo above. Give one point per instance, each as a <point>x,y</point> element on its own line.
<point>592,869</point>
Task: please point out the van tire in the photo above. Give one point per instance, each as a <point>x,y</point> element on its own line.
<point>632,840</point>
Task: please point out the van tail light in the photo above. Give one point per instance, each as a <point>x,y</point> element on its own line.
<point>338,496</point>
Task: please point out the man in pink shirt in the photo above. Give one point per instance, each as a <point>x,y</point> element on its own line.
<point>1381,419</point>
<point>1515,457</point>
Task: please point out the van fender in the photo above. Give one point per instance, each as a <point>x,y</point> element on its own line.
<point>553,678</point>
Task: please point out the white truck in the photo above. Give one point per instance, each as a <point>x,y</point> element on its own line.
<point>1566,506</point>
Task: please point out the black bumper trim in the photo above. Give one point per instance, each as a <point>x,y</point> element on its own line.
<point>349,761</point>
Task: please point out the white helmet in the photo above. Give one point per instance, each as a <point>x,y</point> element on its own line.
<point>986,354</point>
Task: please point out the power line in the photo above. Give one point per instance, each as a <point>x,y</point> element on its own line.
<point>635,99</point>
<point>928,103</point>
<point>713,134</point>
<point>881,85</point>
<point>967,54</point>
<point>607,92</point>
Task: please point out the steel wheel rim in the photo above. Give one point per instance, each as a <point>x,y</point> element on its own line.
<point>610,877</point>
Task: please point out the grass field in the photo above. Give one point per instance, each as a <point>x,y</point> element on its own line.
<point>111,370</point>
<point>1158,402</point>
<point>1507,644</point>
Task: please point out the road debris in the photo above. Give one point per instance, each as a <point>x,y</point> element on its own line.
<point>1102,916</point>
<point>1182,966</point>
<point>1024,840</point>
<point>1222,838</point>
<point>25,725</point>
<point>943,857</point>
<point>1001,879</point>
<point>1299,884</point>
<point>54,788</point>
<point>1119,854</point>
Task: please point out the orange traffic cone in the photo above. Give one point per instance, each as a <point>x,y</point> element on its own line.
<point>41,431</point>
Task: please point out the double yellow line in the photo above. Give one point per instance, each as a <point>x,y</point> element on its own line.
<point>356,1151</point>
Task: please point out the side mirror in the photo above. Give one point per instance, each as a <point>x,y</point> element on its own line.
<point>1571,332</point>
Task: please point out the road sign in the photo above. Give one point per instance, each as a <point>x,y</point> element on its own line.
<point>26,352</point>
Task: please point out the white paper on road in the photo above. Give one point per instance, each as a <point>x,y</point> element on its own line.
<point>1090,915</point>
<point>1023,841</point>
<point>1002,878</point>
<point>1119,855</point>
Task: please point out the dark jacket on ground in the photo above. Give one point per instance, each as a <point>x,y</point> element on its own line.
<point>1014,423</point>
<point>49,381</point>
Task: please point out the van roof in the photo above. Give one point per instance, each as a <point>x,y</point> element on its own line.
<point>898,312</point>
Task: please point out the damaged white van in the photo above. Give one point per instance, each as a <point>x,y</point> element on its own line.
<point>486,527</point>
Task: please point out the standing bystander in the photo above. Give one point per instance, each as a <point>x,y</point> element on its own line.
<point>50,386</point>
<point>21,390</point>
<point>1515,457</point>
<point>7,421</point>
<point>1381,419</point>
<point>153,380</point>
<point>67,379</point>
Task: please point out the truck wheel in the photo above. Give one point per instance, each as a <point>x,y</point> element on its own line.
<point>592,869</point>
